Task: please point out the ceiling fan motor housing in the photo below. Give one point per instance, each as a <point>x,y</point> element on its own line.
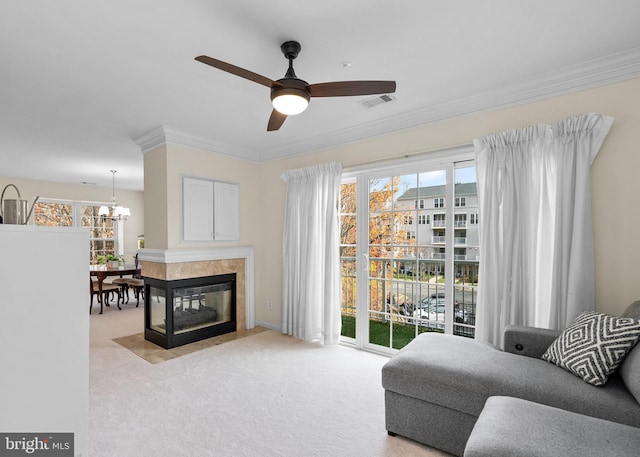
<point>291,86</point>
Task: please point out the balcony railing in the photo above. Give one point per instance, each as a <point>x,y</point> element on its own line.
<point>442,240</point>
<point>438,223</point>
<point>391,287</point>
<point>456,257</point>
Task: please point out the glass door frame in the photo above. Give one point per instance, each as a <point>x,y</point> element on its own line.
<point>447,160</point>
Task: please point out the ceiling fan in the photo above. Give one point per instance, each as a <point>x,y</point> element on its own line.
<point>290,95</point>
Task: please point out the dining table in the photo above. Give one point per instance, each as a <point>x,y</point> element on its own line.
<point>102,271</point>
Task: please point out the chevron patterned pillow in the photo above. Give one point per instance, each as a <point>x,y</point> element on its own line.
<point>594,346</point>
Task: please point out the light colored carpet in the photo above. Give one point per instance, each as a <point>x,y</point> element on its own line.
<point>262,395</point>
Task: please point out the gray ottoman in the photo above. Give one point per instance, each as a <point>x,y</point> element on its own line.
<point>511,427</point>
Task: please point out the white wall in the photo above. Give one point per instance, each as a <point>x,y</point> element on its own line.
<point>616,186</point>
<point>29,189</point>
<point>44,386</point>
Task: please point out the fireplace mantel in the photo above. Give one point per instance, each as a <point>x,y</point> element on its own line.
<point>166,264</point>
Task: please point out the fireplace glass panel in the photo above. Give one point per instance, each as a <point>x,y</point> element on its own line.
<point>157,309</point>
<point>201,306</point>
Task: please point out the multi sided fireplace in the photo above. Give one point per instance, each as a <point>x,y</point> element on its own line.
<point>186,310</point>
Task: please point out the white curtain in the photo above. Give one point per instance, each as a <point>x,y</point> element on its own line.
<point>536,244</point>
<point>311,256</point>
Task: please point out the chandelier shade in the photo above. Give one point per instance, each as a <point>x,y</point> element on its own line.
<point>114,211</point>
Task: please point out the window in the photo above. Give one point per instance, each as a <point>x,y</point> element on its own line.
<point>460,220</point>
<point>461,201</point>
<point>438,202</point>
<point>473,218</point>
<point>101,232</point>
<point>423,219</point>
<point>411,235</point>
<point>102,238</point>
<point>408,220</point>
<point>53,214</point>
<point>419,204</point>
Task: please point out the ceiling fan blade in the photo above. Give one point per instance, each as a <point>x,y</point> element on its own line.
<point>246,74</point>
<point>276,120</point>
<point>348,88</point>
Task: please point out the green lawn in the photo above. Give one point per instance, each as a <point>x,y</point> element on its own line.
<point>379,332</point>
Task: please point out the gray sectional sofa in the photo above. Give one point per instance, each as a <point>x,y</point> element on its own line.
<point>512,427</point>
<point>436,387</point>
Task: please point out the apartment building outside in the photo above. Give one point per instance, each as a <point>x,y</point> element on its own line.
<point>425,225</point>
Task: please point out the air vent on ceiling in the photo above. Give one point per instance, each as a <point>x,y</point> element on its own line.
<point>377,100</point>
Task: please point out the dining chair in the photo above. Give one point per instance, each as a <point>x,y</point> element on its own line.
<point>136,283</point>
<point>107,290</point>
<point>138,288</point>
<point>124,287</point>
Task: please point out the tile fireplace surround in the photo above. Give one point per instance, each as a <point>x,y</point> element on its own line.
<point>172,264</point>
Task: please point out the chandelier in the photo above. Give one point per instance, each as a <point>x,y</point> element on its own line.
<point>114,212</point>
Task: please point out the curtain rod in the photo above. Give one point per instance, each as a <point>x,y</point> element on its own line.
<point>406,155</point>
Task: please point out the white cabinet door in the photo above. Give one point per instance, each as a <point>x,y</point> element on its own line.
<point>197,209</point>
<point>210,210</point>
<point>226,204</point>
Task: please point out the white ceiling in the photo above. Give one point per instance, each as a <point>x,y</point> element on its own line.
<point>81,80</point>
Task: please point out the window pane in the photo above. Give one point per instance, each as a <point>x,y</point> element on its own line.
<point>53,214</point>
<point>466,255</point>
<point>348,198</point>
<point>101,232</point>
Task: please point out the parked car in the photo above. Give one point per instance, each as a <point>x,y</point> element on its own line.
<point>432,309</point>
<point>431,313</point>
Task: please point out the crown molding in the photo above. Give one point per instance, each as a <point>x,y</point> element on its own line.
<point>599,72</point>
<point>162,135</point>
<point>594,73</point>
<point>151,140</point>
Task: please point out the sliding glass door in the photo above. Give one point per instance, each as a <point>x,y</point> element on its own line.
<point>409,254</point>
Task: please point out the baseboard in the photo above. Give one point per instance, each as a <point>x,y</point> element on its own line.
<point>269,325</point>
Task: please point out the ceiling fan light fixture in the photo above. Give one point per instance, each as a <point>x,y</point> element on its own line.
<point>290,101</point>
<point>290,95</point>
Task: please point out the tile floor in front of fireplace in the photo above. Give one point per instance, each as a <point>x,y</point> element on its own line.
<point>153,353</point>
